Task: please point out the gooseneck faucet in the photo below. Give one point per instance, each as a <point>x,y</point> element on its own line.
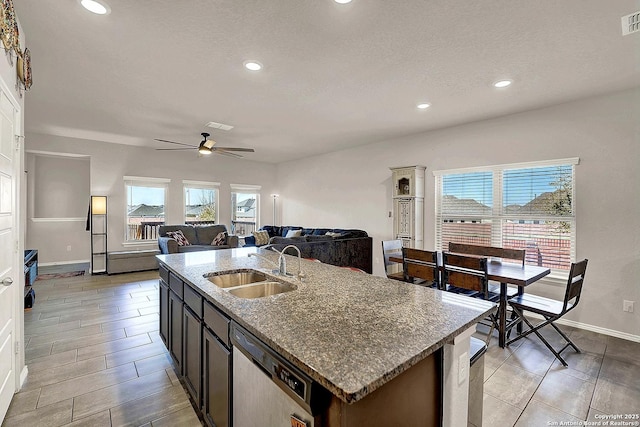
<point>282,262</point>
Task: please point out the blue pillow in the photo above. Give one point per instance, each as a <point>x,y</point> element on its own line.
<point>249,241</point>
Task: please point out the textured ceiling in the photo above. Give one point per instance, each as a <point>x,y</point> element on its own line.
<point>334,75</point>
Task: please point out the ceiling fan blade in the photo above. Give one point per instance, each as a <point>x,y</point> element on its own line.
<point>173,142</point>
<point>246,150</point>
<point>175,149</point>
<point>225,153</point>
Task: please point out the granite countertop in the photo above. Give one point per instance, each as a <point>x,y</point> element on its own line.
<point>350,331</point>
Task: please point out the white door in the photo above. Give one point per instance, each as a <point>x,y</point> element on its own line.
<point>8,253</point>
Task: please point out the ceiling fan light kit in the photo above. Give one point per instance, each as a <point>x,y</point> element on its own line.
<point>203,149</point>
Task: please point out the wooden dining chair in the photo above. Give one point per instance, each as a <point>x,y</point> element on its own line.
<point>465,275</point>
<point>421,267</point>
<point>468,275</point>
<point>517,255</point>
<point>551,309</point>
<point>392,248</point>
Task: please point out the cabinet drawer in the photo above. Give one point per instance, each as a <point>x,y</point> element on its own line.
<point>176,285</point>
<point>193,300</point>
<point>217,322</point>
<point>164,273</point>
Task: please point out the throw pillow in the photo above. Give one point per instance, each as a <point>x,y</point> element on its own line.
<point>179,237</point>
<point>329,233</point>
<point>293,233</point>
<point>220,239</point>
<point>262,237</point>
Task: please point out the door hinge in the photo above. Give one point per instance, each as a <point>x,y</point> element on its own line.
<point>18,139</point>
<point>17,347</point>
<point>16,246</point>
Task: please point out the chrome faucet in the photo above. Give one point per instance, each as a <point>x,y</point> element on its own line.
<point>283,262</point>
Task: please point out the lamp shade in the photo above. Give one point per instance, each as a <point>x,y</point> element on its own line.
<point>98,205</point>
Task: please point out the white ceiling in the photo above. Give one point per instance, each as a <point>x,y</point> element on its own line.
<point>334,76</point>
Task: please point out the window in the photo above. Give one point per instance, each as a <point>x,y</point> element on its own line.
<point>200,202</point>
<point>245,202</point>
<point>523,206</point>
<point>146,201</point>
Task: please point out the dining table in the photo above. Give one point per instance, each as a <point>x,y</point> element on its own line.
<point>505,273</point>
<point>511,274</point>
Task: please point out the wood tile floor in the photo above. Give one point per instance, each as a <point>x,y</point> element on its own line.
<point>95,359</point>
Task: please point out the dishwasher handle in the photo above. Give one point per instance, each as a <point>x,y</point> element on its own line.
<point>247,346</point>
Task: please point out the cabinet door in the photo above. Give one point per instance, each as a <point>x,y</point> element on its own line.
<point>216,365</point>
<point>164,312</point>
<point>175,330</point>
<point>404,217</point>
<point>192,344</point>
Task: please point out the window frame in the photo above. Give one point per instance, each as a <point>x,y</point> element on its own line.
<point>201,185</point>
<point>245,189</point>
<point>150,182</point>
<point>497,216</point>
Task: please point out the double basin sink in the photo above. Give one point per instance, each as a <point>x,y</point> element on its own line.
<point>247,283</point>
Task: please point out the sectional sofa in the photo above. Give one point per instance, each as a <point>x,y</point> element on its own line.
<point>336,246</point>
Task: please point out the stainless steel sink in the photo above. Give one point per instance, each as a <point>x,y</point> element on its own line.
<point>239,278</point>
<point>260,290</point>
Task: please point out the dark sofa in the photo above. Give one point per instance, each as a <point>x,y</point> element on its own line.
<point>345,248</point>
<point>199,237</point>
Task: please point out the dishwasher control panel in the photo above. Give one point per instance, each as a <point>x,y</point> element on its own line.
<point>296,384</point>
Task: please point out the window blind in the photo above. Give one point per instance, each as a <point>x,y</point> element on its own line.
<point>525,206</point>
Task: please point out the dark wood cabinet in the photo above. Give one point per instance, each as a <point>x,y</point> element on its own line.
<point>216,381</point>
<point>197,336</point>
<point>175,330</point>
<point>192,364</point>
<point>164,312</point>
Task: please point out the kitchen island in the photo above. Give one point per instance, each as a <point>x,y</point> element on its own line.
<point>363,338</point>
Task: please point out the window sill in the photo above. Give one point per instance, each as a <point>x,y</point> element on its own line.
<point>140,243</point>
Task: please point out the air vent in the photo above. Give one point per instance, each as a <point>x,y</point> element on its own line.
<point>219,126</point>
<point>631,23</point>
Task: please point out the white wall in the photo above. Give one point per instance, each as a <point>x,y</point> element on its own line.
<point>58,190</point>
<point>110,162</point>
<point>352,188</point>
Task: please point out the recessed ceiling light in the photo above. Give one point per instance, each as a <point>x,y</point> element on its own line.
<point>97,7</point>
<point>342,1</point>
<point>253,65</point>
<point>502,83</point>
<point>423,106</point>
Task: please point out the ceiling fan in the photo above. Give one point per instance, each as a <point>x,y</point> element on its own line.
<point>206,147</point>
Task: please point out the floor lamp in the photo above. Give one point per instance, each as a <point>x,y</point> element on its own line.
<point>275,197</point>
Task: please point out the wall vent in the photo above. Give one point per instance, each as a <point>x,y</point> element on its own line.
<point>220,126</point>
<point>631,23</point>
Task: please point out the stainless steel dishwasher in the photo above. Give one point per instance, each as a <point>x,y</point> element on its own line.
<point>267,389</point>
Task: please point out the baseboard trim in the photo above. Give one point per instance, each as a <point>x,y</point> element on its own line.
<point>23,376</point>
<point>49,264</point>
<point>592,328</point>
